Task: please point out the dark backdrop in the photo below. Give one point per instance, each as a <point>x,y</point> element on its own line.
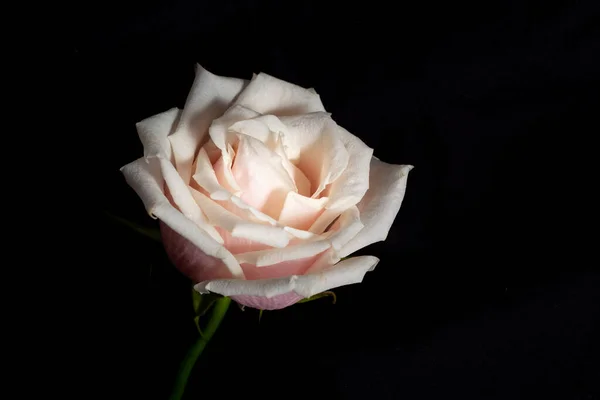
<point>483,290</point>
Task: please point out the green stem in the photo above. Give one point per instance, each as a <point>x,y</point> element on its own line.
<point>218,312</point>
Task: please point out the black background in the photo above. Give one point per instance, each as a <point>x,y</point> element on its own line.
<point>484,290</point>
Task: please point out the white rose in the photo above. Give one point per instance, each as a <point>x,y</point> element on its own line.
<point>260,193</point>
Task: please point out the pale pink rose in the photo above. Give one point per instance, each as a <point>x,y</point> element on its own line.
<point>260,193</point>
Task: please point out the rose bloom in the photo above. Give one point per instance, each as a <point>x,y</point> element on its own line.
<point>260,193</point>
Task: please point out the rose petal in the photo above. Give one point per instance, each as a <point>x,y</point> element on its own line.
<point>300,234</point>
<point>268,95</point>
<point>238,245</point>
<point>145,178</point>
<point>279,270</point>
<point>347,226</point>
<point>325,219</point>
<point>153,133</point>
<point>273,256</point>
<point>189,259</point>
<point>312,142</point>
<point>220,127</point>
<point>181,196</point>
<point>325,261</point>
<point>205,177</point>
<point>217,215</point>
<point>249,211</point>
<point>353,183</point>
<point>258,130</point>
<point>268,129</point>
<point>208,99</point>
<point>381,204</point>
<point>271,132</point>
<point>299,211</point>
<point>213,152</point>
<point>263,303</point>
<point>345,272</point>
<point>224,172</point>
<point>300,180</point>
<point>261,176</point>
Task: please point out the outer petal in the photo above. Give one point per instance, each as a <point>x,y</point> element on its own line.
<point>180,193</point>
<point>208,99</point>
<point>381,204</point>
<point>350,187</point>
<point>145,178</point>
<point>274,303</point>
<point>189,259</point>
<point>353,183</point>
<point>278,293</point>
<point>268,95</point>
<point>153,132</point>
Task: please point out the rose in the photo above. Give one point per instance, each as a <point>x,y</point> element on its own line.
<point>260,193</point>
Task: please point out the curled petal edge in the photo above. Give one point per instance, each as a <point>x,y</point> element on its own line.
<point>346,272</point>
<point>144,178</point>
